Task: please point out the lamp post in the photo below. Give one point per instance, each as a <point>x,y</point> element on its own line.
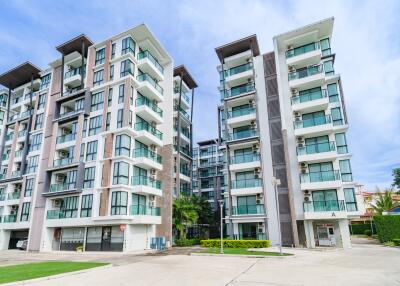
<point>276,182</point>
<point>221,207</point>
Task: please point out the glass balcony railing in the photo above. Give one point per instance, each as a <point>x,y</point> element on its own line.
<point>316,148</point>
<point>14,196</point>
<point>16,174</point>
<point>184,150</point>
<point>62,187</point>
<point>9,218</point>
<point>241,112</point>
<point>246,183</point>
<point>62,162</point>
<point>22,133</point>
<point>142,152</point>
<point>5,156</point>
<point>145,210</point>
<point>2,176</point>
<point>59,214</point>
<point>323,176</point>
<point>9,136</point>
<point>183,112</point>
<point>351,206</point>
<point>2,197</point>
<point>148,78</point>
<point>324,206</point>
<point>146,181</point>
<point>238,69</point>
<point>243,134</point>
<point>238,90</point>
<point>316,121</point>
<point>65,138</point>
<point>309,96</point>
<point>252,235</point>
<point>70,113</point>
<point>144,101</point>
<point>28,95</point>
<point>153,60</point>
<point>245,158</point>
<point>302,50</point>
<point>18,153</point>
<point>309,71</point>
<point>73,72</point>
<point>248,209</point>
<point>139,126</point>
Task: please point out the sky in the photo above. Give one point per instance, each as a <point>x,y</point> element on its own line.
<point>366,40</point>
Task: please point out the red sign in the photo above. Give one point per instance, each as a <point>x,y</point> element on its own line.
<point>122,227</point>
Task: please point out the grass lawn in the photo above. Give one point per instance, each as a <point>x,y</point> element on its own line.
<point>244,251</point>
<point>42,269</point>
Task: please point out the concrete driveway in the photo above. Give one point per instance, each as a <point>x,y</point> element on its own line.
<point>365,264</point>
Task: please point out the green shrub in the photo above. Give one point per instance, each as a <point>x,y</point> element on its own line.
<point>187,242</point>
<point>389,243</point>
<point>361,228</point>
<point>368,232</point>
<point>387,227</point>
<point>229,243</point>
<point>396,241</point>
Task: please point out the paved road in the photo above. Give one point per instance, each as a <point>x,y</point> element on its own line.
<point>365,264</point>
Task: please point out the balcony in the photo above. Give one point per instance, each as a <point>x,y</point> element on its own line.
<point>71,113</point>
<point>239,74</point>
<point>248,210</point>
<point>245,162</point>
<point>58,214</point>
<point>62,162</point>
<point>73,72</point>
<point>14,196</point>
<point>238,90</point>
<point>324,209</point>
<point>310,102</point>
<point>320,180</point>
<point>62,187</point>
<point>149,87</point>
<point>246,186</point>
<point>184,150</point>
<point>145,210</point>
<point>148,110</point>
<point>240,135</point>
<point>146,158</point>
<point>183,113</point>
<point>316,152</point>
<point>22,133</point>
<point>304,55</point>
<point>65,138</point>
<point>2,197</point>
<point>308,126</point>
<point>255,236</point>
<point>307,77</point>
<point>146,185</point>
<point>73,77</point>
<point>149,64</point>
<point>18,153</point>
<point>9,218</point>
<point>148,134</point>
<point>16,174</point>
<point>241,117</point>
<point>9,136</point>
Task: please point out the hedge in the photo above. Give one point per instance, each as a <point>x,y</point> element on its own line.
<point>187,242</point>
<point>396,241</point>
<point>387,227</point>
<point>230,243</point>
<point>361,228</point>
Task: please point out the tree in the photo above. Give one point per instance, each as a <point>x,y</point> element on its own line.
<point>205,212</point>
<point>384,202</point>
<point>396,178</point>
<point>185,214</point>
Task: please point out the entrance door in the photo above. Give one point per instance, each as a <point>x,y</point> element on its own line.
<point>106,238</point>
<point>248,230</point>
<point>326,235</point>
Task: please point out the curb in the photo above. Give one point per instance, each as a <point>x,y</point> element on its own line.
<point>239,255</point>
<point>23,282</point>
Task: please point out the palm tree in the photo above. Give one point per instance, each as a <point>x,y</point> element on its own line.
<point>185,214</point>
<point>384,202</point>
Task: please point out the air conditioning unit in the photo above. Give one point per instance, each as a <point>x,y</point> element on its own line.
<point>153,148</point>
<point>307,199</point>
<point>64,153</point>
<point>294,91</point>
<point>300,139</point>
<point>306,192</point>
<point>260,223</point>
<point>14,208</point>
<point>257,170</point>
<point>260,196</point>
<point>13,212</point>
<point>289,47</point>
<point>259,202</point>
<point>291,68</point>
<point>60,178</point>
<point>57,203</point>
<point>300,145</point>
<point>297,114</point>
<point>153,172</point>
<point>256,146</point>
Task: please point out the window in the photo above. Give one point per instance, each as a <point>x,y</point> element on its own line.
<point>79,104</point>
<point>326,201</point>
<point>321,172</point>
<point>82,153</point>
<point>345,170</point>
<point>336,116</point>
<point>25,211</point>
<point>127,67</point>
<point>325,47</point>
<point>121,173</point>
<point>97,101</point>
<point>341,144</point>
<point>314,119</point>
<point>109,97</point>
<point>128,46</point>
<point>98,77</point>
<point>112,72</point>
<point>328,68</point>
<point>84,129</point>
<point>100,56</point>
<point>41,101</point>
<point>95,125</point>
<point>113,46</point>
<point>333,92</point>
<point>45,82</point>
<point>123,145</point>
<point>108,120</point>
<point>35,142</point>
<point>120,118</point>
<point>91,151</point>
<point>121,93</point>
<point>32,164</point>
<point>70,180</point>
<point>132,102</point>
<point>138,204</point>
<point>119,203</point>
<point>39,121</point>
<point>130,118</point>
<point>69,207</point>
<point>86,205</point>
<point>28,187</point>
<point>88,181</point>
<point>350,198</point>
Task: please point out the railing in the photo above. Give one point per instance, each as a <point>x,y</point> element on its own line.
<point>237,90</point>
<point>316,148</point>
<point>321,120</point>
<point>309,71</point>
<point>70,113</point>
<point>323,176</point>
<point>351,206</point>
<point>248,209</point>
<point>14,196</point>
<point>26,113</point>
<point>324,206</point>
<point>144,101</point>
<point>183,112</point>
<point>302,50</point>
<point>71,90</point>
<point>145,210</point>
<point>309,96</point>
<point>17,99</point>
<point>147,54</point>
<point>62,162</point>
<point>148,78</point>
<point>28,95</point>
<point>9,136</point>
<point>253,235</point>
<point>142,152</point>
<point>243,134</point>
<point>9,218</point>
<point>54,188</point>
<point>16,174</point>
<point>18,153</point>
<point>146,181</point>
<point>139,126</point>
<point>246,183</point>
<point>184,171</point>
<point>238,69</point>
<point>245,158</point>
<point>184,150</point>
<point>241,112</point>
<point>22,133</point>
<point>65,138</point>
<point>59,214</point>
<point>73,72</point>
<point>2,197</point>
<point>5,156</point>
<point>2,176</point>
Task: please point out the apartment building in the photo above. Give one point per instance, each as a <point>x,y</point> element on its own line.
<point>283,123</point>
<point>88,146</point>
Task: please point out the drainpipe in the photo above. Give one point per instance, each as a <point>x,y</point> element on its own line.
<point>191,144</point>
<point>178,144</point>
<point>62,76</point>
<point>82,63</point>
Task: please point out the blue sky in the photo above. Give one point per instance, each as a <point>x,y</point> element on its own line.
<point>366,39</point>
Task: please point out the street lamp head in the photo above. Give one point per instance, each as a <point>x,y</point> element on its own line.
<point>275,181</point>
<point>221,203</point>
